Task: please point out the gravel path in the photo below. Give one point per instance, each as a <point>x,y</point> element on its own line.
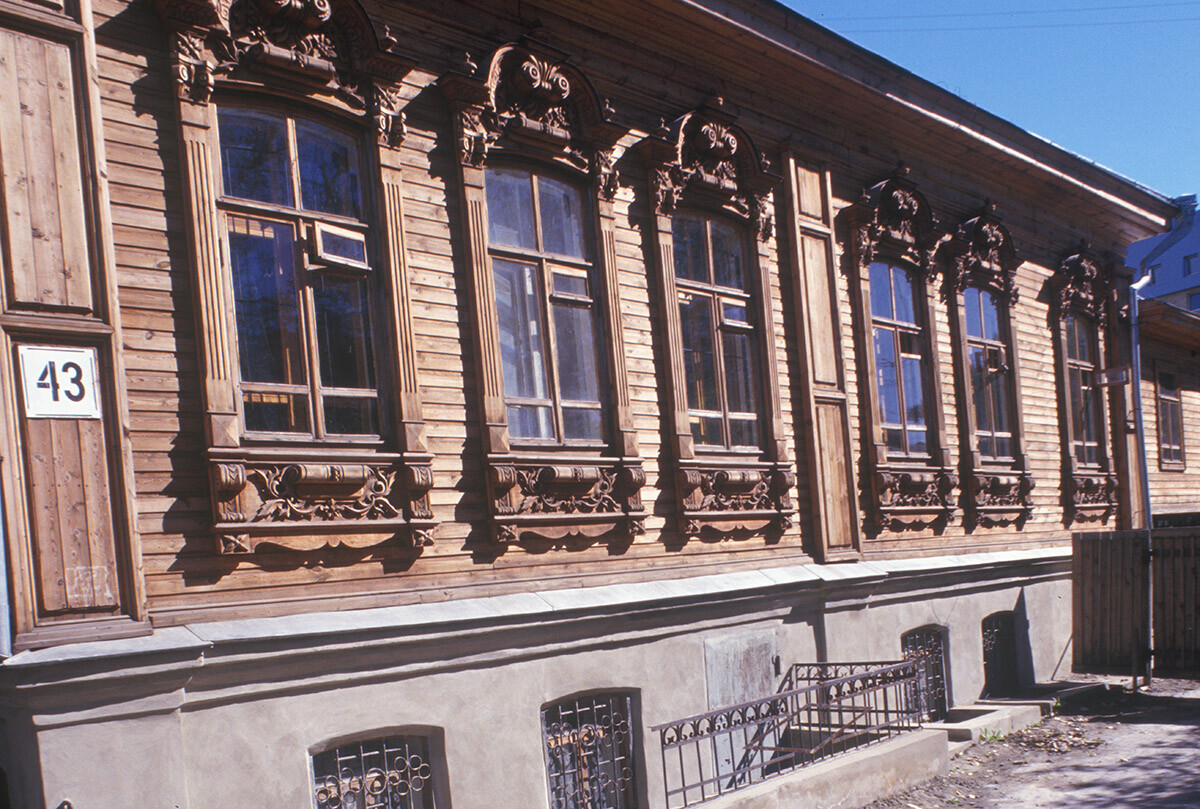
<point>1123,750</point>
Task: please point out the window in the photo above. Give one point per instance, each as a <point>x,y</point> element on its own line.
<point>1170,420</point>
<point>294,212</point>
<point>1155,273</point>
<point>1194,301</point>
<point>589,752</point>
<point>1190,263</point>
<point>991,377</point>
<point>901,359</point>
<point>546,305</point>
<point>391,773</point>
<point>717,330</point>
<point>927,646</point>
<point>1083,395</point>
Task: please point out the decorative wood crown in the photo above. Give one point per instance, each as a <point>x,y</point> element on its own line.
<point>707,154</point>
<point>1082,284</point>
<point>318,46</point>
<point>981,251</point>
<point>530,98</point>
<point>893,220</point>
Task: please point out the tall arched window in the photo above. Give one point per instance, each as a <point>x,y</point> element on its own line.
<point>981,265</point>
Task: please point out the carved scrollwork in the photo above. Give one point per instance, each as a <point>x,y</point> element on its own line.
<point>893,221</point>
<point>913,497</point>
<point>324,44</point>
<point>1093,497</point>
<point>1000,498</point>
<point>981,251</point>
<point>724,495</point>
<point>307,492</point>
<point>707,151</point>
<point>1082,285</point>
<point>390,126</point>
<point>555,500</point>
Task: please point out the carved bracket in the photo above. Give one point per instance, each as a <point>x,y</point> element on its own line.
<point>707,154</point>
<point>1000,498</point>
<point>1093,497</point>
<point>553,501</point>
<point>913,498</point>
<point>529,98</point>
<point>296,505</point>
<point>735,498</point>
<point>892,221</point>
<point>981,251</point>
<point>1082,284</point>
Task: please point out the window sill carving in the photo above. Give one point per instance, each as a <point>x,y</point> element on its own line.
<point>1093,497</point>
<point>1000,498</point>
<point>736,498</point>
<point>910,498</point>
<point>554,500</point>
<point>316,502</point>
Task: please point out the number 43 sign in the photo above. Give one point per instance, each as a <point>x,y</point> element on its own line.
<point>59,383</point>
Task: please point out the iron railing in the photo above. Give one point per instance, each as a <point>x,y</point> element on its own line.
<point>820,716</point>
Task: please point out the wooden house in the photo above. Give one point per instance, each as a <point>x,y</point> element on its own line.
<point>434,379</point>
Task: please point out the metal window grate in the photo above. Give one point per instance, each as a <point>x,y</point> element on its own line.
<point>391,773</point>
<point>1000,655</point>
<point>589,752</point>
<point>926,646</point>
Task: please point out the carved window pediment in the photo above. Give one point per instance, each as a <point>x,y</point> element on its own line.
<point>981,252</point>
<point>892,221</point>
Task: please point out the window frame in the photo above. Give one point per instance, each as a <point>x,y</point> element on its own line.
<point>1163,403</point>
<point>718,489</point>
<point>308,270</point>
<point>897,328</point>
<point>302,494</point>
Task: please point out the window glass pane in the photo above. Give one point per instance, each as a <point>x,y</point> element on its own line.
<point>739,373</point>
<point>903,285</point>
<point>562,218</point>
<point>881,290</point>
<point>727,249</point>
<point>986,444</point>
<point>275,412</point>
<point>510,208</point>
<point>344,350</point>
<point>695,315</point>
<point>522,334</point>
<point>1000,398</point>
<point>262,264</point>
<point>979,388</point>
<point>734,313</point>
<point>917,444</point>
<point>575,338</point>
<point>991,316</point>
<point>894,438</point>
<point>254,155</point>
<point>1003,446</point>
<point>690,251</point>
<point>914,393</point>
<point>743,432</point>
<point>971,312</point>
<point>582,424</point>
<point>530,421</point>
<point>339,245</point>
<point>571,284</point>
<point>706,430</point>
<point>888,381</point>
<point>329,170</point>
<point>348,415</point>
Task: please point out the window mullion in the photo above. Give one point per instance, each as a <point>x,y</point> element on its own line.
<point>309,346</point>
<point>550,341</point>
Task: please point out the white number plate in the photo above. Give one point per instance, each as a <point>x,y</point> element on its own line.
<point>59,383</point>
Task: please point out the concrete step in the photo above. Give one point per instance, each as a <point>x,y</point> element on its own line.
<point>970,722</point>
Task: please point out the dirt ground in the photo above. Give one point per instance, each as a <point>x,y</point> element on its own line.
<point>1115,751</point>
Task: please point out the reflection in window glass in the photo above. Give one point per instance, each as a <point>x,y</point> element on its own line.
<point>901,359</point>
<point>329,170</point>
<point>989,375</point>
<point>691,252</point>
<point>254,155</point>
<point>561,218</point>
<point>523,348</point>
<point>510,209</point>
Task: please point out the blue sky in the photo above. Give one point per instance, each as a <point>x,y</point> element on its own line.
<point>1114,80</point>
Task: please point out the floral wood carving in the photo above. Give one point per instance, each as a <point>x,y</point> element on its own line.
<point>1082,285</point>
<point>530,98</point>
<point>706,153</point>
<point>323,45</point>
<point>1093,497</point>
<point>913,498</point>
<point>981,251</point>
<point>1001,498</point>
<point>891,221</point>
<point>256,499</point>
<point>553,501</point>
<point>743,496</point>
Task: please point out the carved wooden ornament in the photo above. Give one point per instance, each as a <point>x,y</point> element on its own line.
<point>1081,285</point>
<point>980,252</point>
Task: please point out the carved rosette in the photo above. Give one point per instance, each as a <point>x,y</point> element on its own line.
<point>981,252</point>
<point>913,498</point>
<point>736,498</point>
<point>554,501</point>
<point>1000,498</point>
<point>1093,497</point>
<point>892,221</point>
<point>309,505</point>
<point>1081,284</point>
<point>707,155</point>
<point>324,46</point>
<point>530,99</point>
